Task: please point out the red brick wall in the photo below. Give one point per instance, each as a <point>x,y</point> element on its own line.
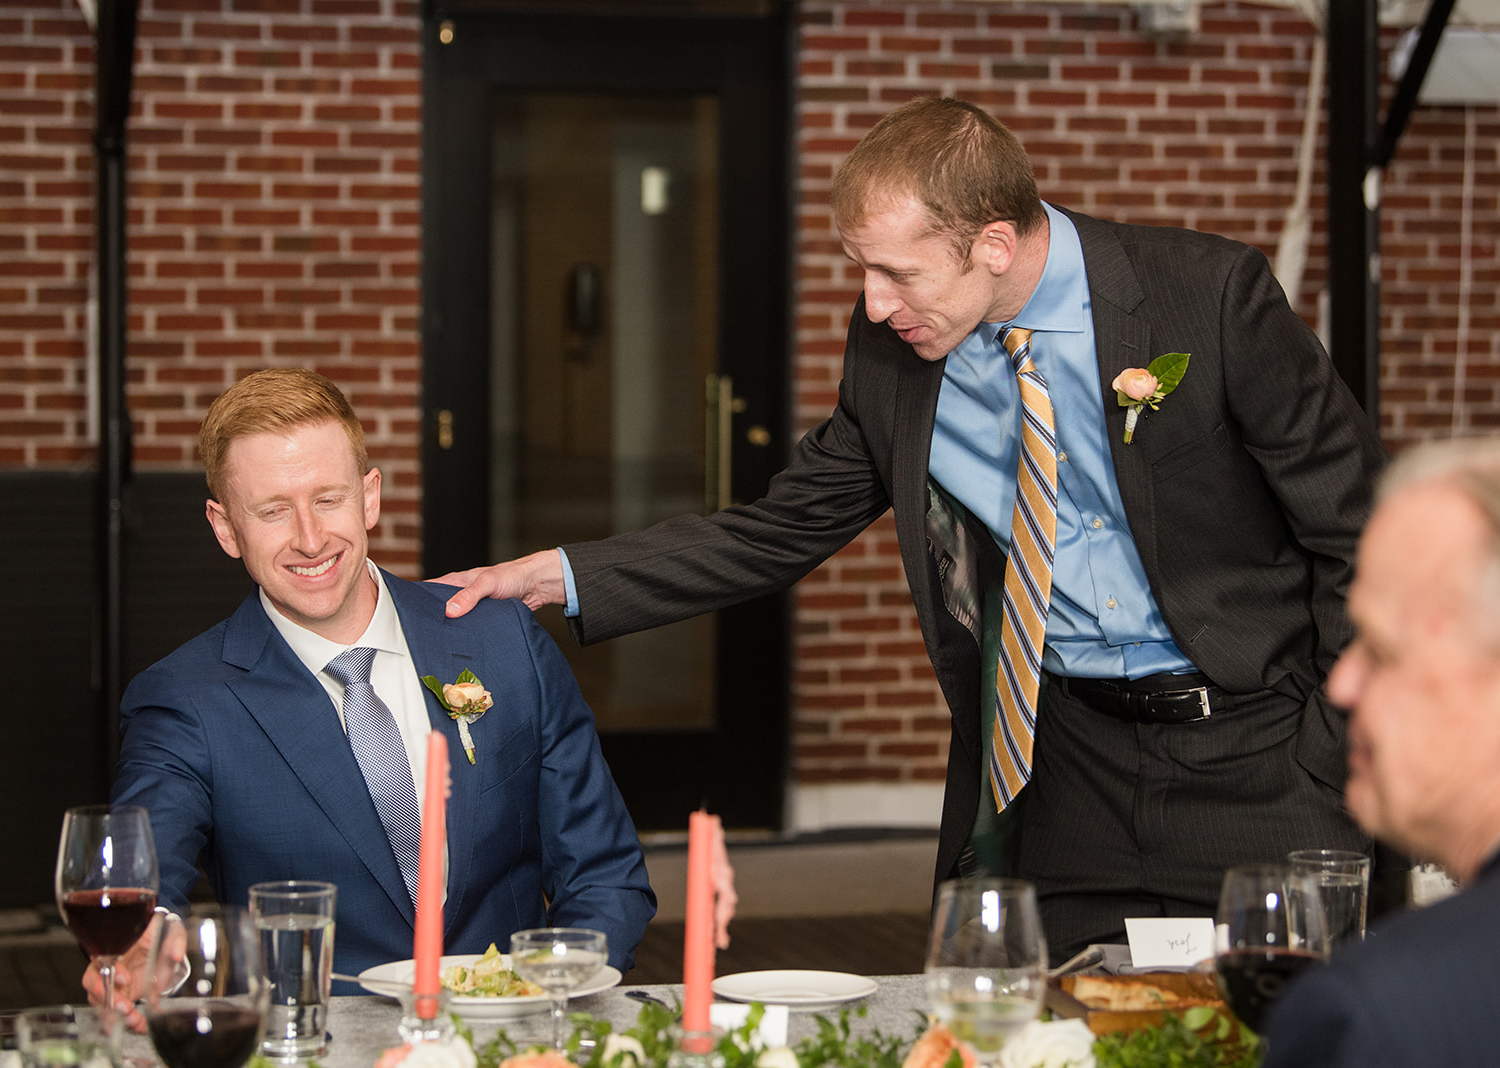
<point>274,218</point>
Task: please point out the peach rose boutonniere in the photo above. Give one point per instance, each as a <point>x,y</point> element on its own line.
<point>1144,387</point>
<point>466,700</point>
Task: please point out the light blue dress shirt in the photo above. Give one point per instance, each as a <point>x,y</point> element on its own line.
<point>1103,621</point>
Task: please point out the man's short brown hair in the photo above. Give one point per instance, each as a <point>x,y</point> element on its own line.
<point>957,160</point>
<point>277,400</point>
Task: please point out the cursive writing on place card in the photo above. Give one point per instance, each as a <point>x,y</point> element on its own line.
<point>1169,941</point>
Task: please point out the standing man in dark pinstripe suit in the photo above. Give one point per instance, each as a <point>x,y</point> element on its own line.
<point>1196,599</point>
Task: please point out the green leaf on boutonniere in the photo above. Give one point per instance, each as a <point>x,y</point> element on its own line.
<point>1168,370</point>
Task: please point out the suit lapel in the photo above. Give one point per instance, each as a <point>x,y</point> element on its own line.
<point>1121,340</point>
<point>445,649</point>
<point>917,386</point>
<point>293,709</point>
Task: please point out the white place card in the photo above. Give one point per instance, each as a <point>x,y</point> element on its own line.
<point>727,1016</point>
<point>1169,941</point>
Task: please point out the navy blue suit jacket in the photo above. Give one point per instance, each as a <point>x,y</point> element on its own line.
<point>1421,991</point>
<point>237,752</point>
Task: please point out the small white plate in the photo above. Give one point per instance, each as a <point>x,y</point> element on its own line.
<point>803,990</point>
<point>480,1008</point>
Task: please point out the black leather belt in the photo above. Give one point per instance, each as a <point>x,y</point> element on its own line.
<point>1154,699</point>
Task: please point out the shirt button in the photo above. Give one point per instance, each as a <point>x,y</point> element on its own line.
<point>1062,457</point>
<point>1109,603</point>
<point>1098,524</point>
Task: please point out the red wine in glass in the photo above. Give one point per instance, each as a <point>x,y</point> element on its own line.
<point>206,990</point>
<point>216,1034</point>
<point>106,881</point>
<point>1252,979</point>
<point>108,922</point>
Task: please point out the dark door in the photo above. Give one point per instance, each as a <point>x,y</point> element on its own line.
<point>605,346</point>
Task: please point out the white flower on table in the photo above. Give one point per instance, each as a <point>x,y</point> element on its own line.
<point>777,1057</point>
<point>1055,1044</point>
<point>629,1050</point>
<point>452,1053</point>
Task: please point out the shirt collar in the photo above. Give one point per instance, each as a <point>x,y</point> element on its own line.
<point>1062,293</point>
<point>315,651</point>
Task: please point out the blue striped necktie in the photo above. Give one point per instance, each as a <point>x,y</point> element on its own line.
<point>1028,579</point>
<point>382,758</point>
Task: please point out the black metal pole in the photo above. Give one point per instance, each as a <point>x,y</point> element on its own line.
<point>114,58</point>
<point>1411,82</point>
<point>1354,199</point>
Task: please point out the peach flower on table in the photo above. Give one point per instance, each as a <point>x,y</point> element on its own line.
<point>935,1047</point>
<point>544,1058</point>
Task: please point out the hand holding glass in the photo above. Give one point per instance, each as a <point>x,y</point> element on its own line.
<point>1271,929</point>
<point>213,1017</point>
<point>986,962</point>
<point>558,959</point>
<point>106,882</point>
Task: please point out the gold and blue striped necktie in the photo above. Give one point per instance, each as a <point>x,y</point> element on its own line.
<point>1028,578</point>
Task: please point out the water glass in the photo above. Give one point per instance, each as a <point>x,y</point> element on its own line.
<point>1343,879</point>
<point>559,960</point>
<point>986,962</point>
<point>68,1036</point>
<point>295,922</point>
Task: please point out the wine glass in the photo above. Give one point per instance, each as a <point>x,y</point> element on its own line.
<point>215,1015</point>
<point>986,962</point>
<point>1271,928</point>
<point>558,959</point>
<point>106,882</point>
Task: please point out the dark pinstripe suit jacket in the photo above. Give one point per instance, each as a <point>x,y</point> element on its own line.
<point>1245,492</point>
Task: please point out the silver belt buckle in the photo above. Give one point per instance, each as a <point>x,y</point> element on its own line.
<point>1202,692</point>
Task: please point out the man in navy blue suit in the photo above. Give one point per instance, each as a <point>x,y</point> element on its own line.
<point>236,743</point>
<point>1422,683</point>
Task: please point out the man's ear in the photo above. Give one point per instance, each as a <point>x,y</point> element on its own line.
<point>218,518</point>
<point>372,498</point>
<point>995,247</point>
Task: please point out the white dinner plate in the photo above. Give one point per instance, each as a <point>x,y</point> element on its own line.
<point>479,1008</point>
<point>795,989</point>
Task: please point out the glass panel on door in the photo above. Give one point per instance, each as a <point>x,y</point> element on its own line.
<point>604,325</point>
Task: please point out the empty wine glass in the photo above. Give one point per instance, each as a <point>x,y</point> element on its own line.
<point>558,959</point>
<point>1271,928</point>
<point>206,990</point>
<point>106,882</point>
<point>986,962</point>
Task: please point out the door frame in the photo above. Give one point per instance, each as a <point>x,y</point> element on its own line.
<point>739,769</point>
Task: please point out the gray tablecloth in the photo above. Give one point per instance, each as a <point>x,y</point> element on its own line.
<point>362,1027</point>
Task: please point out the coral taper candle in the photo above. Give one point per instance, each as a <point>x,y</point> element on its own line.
<point>427,948</point>
<point>698,931</point>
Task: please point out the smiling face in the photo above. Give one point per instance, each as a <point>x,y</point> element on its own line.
<point>915,282</point>
<point>297,510</point>
<point>1422,681</point>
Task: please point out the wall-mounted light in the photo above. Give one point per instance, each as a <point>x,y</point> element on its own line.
<point>655,189</point>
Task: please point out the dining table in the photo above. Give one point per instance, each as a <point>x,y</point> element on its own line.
<point>362,1027</point>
